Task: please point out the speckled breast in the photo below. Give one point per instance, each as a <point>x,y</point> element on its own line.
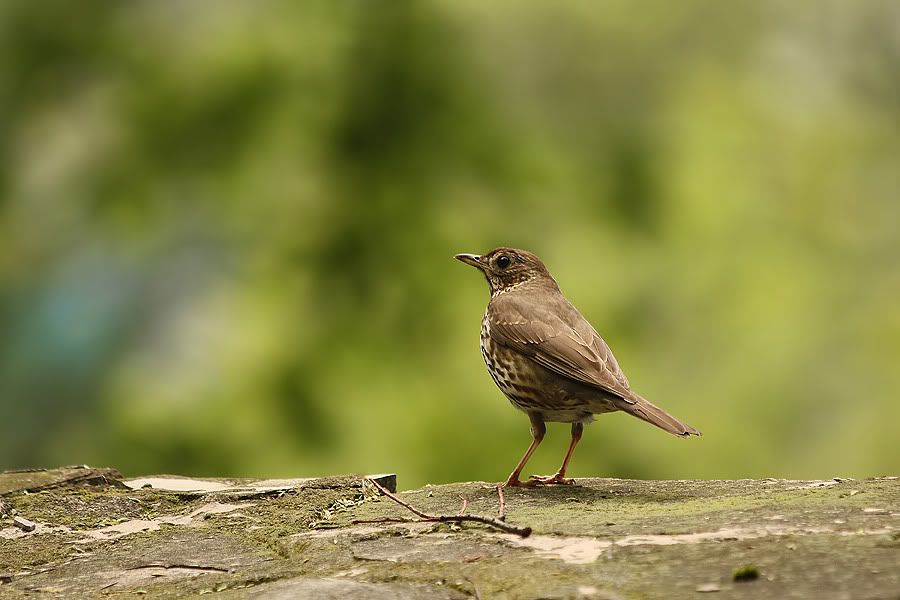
<point>520,379</point>
<point>532,388</point>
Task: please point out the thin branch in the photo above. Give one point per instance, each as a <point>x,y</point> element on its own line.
<point>160,565</point>
<point>489,521</point>
<point>501,513</point>
<point>474,589</point>
<point>384,520</point>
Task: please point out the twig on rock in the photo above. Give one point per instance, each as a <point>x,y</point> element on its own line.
<point>465,505</point>
<point>474,589</point>
<point>489,521</point>
<point>501,513</point>
<point>384,520</point>
<point>163,565</point>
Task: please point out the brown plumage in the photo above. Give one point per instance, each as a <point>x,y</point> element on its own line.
<point>547,359</point>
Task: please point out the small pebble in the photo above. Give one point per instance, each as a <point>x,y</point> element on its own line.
<point>708,587</point>
<point>24,524</point>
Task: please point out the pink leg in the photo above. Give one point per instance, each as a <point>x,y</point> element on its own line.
<point>538,429</point>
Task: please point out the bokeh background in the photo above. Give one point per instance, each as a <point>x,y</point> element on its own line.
<point>226,231</point>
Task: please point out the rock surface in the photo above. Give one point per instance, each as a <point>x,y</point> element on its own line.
<point>97,535</point>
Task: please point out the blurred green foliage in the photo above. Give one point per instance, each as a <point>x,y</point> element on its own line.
<point>227,228</point>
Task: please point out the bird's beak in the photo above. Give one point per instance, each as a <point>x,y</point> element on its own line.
<point>470,259</point>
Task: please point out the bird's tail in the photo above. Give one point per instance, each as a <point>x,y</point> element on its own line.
<point>646,411</point>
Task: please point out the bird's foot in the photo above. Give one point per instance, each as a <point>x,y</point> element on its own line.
<point>557,479</point>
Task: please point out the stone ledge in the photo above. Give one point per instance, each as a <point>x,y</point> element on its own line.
<point>97,534</point>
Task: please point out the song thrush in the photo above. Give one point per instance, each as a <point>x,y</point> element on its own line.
<point>547,359</point>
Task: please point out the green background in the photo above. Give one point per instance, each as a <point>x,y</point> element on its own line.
<point>226,231</point>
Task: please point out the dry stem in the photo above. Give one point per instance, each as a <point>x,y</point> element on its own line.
<point>489,521</point>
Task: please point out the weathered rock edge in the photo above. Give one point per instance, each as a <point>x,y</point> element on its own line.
<point>96,534</point>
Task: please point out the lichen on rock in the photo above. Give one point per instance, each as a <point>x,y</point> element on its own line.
<point>96,534</point>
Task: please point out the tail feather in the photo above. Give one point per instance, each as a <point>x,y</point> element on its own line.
<point>646,411</point>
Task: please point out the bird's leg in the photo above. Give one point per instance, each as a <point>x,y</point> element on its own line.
<point>538,429</point>
<point>560,477</point>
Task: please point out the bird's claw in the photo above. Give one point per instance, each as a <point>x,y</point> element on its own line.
<point>557,479</point>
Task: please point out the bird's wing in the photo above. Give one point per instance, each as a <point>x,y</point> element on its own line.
<point>555,335</point>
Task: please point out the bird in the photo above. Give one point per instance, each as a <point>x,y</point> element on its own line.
<point>547,358</point>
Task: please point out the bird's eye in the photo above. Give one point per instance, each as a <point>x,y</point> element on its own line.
<point>503,261</point>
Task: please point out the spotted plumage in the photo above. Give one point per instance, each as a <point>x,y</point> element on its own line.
<point>547,359</point>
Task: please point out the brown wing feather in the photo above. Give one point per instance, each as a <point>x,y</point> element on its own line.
<point>555,335</point>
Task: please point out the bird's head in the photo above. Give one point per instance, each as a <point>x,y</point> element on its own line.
<point>505,268</point>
